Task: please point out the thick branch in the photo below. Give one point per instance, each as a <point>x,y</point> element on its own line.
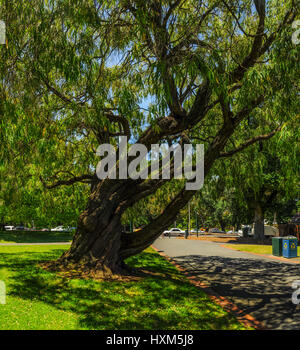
<point>255,52</point>
<point>136,242</point>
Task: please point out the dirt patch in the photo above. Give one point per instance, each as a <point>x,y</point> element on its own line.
<point>213,239</point>
<point>241,240</point>
<point>78,271</point>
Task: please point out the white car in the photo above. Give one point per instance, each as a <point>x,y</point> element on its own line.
<point>174,232</point>
<point>215,230</point>
<point>239,232</point>
<point>71,229</point>
<point>199,230</point>
<point>9,228</point>
<point>59,229</point>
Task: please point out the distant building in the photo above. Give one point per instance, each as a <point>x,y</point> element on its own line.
<point>296,219</point>
<point>292,228</point>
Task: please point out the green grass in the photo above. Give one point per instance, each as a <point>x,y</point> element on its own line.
<point>252,248</point>
<point>38,299</point>
<point>34,237</point>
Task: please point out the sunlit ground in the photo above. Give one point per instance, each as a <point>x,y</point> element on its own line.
<point>38,299</point>
<point>252,248</point>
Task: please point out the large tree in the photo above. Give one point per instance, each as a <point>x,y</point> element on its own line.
<point>78,74</point>
<point>263,178</point>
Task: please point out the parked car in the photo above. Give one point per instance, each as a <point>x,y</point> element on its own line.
<point>174,232</point>
<point>59,229</point>
<point>194,231</point>
<point>200,230</point>
<point>19,228</point>
<point>70,229</point>
<point>215,230</point>
<point>9,228</point>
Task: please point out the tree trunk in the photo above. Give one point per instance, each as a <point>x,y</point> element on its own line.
<point>99,247</point>
<point>98,252</point>
<point>259,228</point>
<point>222,224</point>
<point>95,249</point>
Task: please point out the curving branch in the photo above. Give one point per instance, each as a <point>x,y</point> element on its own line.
<point>237,20</point>
<point>172,7</point>
<point>255,52</point>
<point>83,179</point>
<point>259,48</point>
<point>249,143</point>
<point>54,90</point>
<point>136,242</point>
<point>121,120</point>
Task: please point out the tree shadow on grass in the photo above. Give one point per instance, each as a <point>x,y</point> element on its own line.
<point>35,237</point>
<point>259,287</point>
<point>165,301</point>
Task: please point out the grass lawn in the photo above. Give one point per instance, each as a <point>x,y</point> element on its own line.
<point>252,248</point>
<point>38,299</point>
<point>34,237</point>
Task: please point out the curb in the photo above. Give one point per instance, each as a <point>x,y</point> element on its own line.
<point>264,255</point>
<point>246,319</point>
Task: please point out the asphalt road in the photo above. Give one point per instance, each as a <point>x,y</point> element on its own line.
<point>260,286</point>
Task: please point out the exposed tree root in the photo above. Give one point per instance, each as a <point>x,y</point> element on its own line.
<point>98,272</point>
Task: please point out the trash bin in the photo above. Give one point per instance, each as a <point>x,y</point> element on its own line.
<point>289,247</point>
<point>277,246</point>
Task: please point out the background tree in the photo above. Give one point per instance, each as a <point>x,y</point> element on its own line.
<point>76,75</point>
<point>265,176</point>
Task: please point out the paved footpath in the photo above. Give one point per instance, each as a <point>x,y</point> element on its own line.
<point>260,286</point>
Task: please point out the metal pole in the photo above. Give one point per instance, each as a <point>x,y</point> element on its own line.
<point>189,229</point>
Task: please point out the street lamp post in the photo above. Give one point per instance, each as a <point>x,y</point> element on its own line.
<point>189,227</point>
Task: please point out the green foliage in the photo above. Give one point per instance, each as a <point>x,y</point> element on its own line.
<point>67,63</point>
